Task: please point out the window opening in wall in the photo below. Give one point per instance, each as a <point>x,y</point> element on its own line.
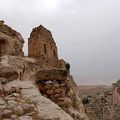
<point>54,53</point>
<point>2,46</point>
<point>45,49</point>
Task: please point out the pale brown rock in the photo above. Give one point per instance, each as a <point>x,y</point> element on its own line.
<point>41,44</point>
<point>25,118</point>
<point>51,74</point>
<point>11,42</point>
<point>7,113</point>
<point>18,111</point>
<point>8,73</point>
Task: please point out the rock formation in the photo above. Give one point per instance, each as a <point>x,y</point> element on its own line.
<point>104,105</point>
<point>39,87</point>
<point>11,42</point>
<point>41,44</point>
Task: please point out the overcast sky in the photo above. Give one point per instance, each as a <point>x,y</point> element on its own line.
<point>87,33</point>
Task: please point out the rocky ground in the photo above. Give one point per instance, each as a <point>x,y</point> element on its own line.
<point>21,100</point>
<point>101,102</point>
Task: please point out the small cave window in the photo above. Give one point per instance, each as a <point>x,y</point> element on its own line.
<point>2,46</point>
<point>45,49</point>
<point>54,53</point>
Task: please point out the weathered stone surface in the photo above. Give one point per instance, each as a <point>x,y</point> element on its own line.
<point>53,74</point>
<point>27,108</point>
<point>9,73</point>
<point>41,44</point>
<point>18,110</point>
<point>2,102</point>
<point>1,114</point>
<point>13,117</point>
<point>11,42</point>
<point>25,118</point>
<point>3,80</point>
<point>7,113</point>
<point>1,89</point>
<point>43,104</point>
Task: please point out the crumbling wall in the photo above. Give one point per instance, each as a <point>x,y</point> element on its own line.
<point>41,44</point>
<point>11,42</point>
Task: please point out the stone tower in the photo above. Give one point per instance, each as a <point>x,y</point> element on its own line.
<point>41,44</point>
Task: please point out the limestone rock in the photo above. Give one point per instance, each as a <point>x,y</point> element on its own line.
<point>1,114</point>
<point>3,80</point>
<point>1,89</point>
<point>7,113</point>
<point>8,73</point>
<point>53,74</point>
<point>41,44</point>
<point>25,118</point>
<point>18,110</point>
<point>2,102</point>
<point>13,117</point>
<point>11,42</point>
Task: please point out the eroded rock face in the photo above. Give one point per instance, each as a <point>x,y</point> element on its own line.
<point>64,93</point>
<point>25,80</point>
<point>51,74</point>
<point>11,42</point>
<point>41,44</point>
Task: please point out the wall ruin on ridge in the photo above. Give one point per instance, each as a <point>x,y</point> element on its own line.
<point>11,42</point>
<point>41,44</point>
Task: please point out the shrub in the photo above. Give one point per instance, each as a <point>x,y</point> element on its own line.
<point>67,66</point>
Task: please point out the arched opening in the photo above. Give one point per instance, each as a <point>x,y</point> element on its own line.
<point>2,47</point>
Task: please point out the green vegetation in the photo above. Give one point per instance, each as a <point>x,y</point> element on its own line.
<point>67,66</point>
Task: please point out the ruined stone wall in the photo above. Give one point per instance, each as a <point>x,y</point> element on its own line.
<point>41,44</point>
<point>11,42</point>
<point>62,90</point>
<point>41,70</point>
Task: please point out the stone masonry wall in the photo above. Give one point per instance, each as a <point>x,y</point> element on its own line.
<point>41,44</point>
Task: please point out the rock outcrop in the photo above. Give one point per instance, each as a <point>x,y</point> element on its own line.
<point>104,105</point>
<point>41,44</point>
<point>11,42</point>
<point>39,85</point>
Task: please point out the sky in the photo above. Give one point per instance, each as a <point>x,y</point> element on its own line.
<point>87,33</point>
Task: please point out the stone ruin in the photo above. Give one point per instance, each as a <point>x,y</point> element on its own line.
<point>39,80</point>
<point>41,44</point>
<point>11,42</point>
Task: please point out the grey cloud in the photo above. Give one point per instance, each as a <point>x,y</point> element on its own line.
<point>86,33</point>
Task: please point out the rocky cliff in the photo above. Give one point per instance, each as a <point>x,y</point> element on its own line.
<point>37,87</point>
<point>104,105</point>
